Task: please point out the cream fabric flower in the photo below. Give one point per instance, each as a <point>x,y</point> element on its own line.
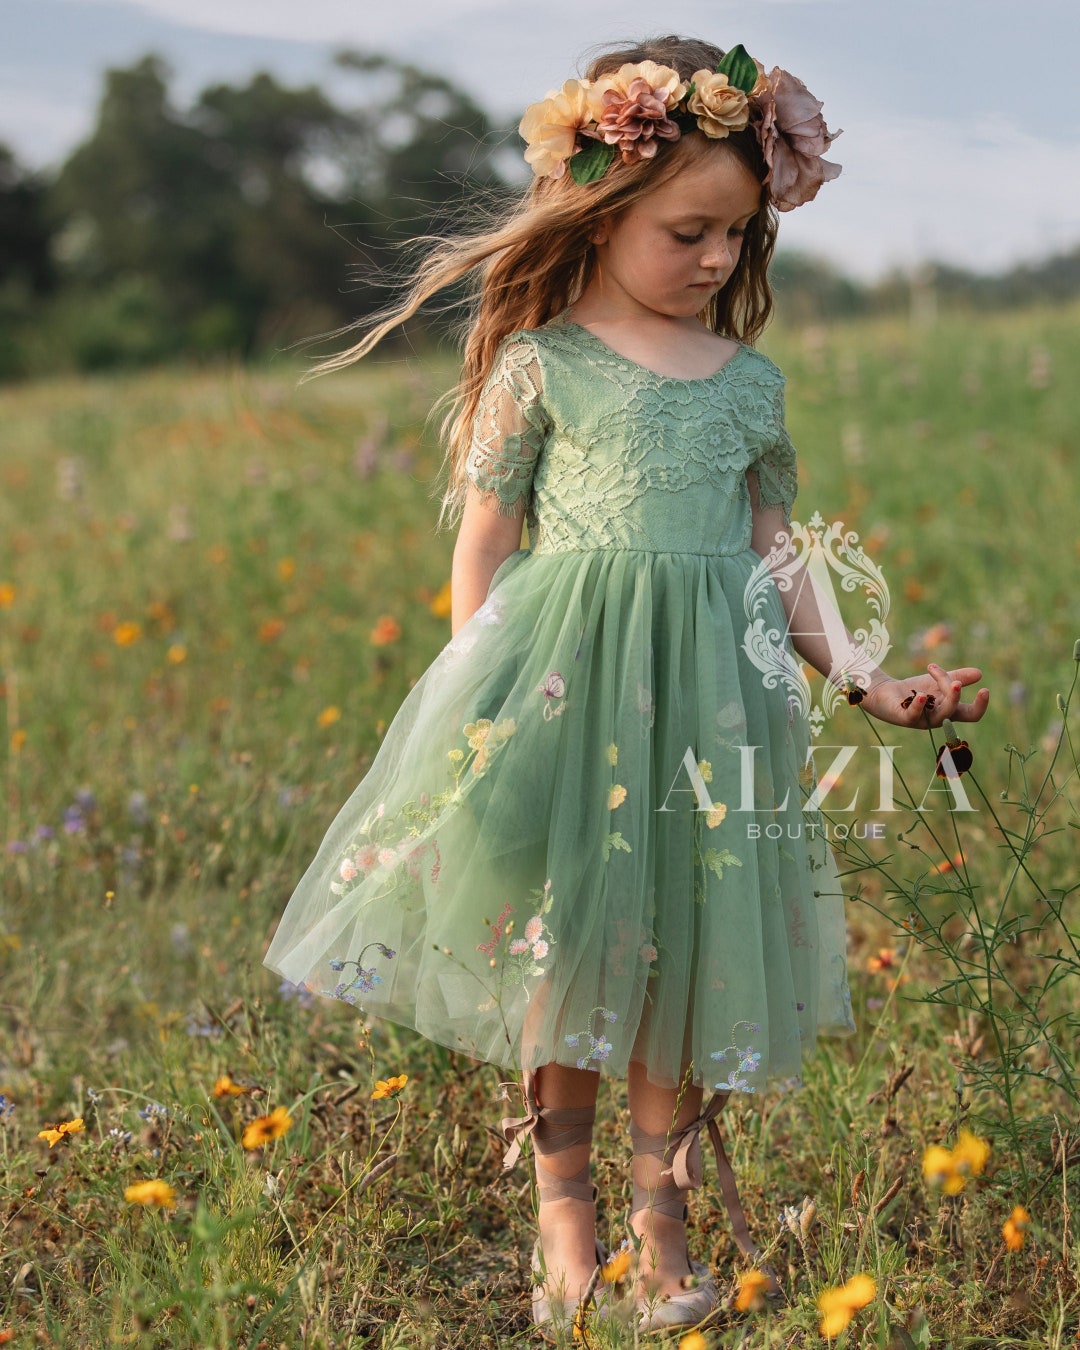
<point>550,127</point>
<point>719,107</point>
<point>663,82</point>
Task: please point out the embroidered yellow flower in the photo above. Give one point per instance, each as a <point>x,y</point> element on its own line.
<point>1014,1229</point>
<point>158,1193</point>
<point>616,796</point>
<point>613,754</point>
<point>476,733</point>
<point>716,816</point>
<point>705,769</point>
<point>265,1128</point>
<point>751,1295</point>
<point>719,107</point>
<point>389,1087</point>
<point>550,128</point>
<point>55,1133</point>
<point>839,1306</point>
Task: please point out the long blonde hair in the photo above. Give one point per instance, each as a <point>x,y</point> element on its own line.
<point>530,261</point>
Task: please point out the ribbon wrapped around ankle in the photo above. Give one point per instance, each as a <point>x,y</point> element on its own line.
<point>515,1128</point>
<point>686,1171</point>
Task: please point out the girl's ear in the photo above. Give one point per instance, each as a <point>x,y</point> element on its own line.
<point>599,233</point>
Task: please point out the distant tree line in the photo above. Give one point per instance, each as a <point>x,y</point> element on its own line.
<point>262,215</point>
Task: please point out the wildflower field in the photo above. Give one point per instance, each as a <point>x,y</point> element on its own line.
<point>215,590</point>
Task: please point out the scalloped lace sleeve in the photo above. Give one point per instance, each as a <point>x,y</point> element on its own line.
<point>777,467</point>
<point>509,430</point>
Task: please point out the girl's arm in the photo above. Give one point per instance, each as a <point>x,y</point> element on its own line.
<point>485,540</point>
<point>811,616</point>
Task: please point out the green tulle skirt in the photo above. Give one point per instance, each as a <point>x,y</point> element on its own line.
<point>566,849</point>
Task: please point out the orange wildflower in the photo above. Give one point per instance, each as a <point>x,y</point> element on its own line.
<point>886,959</point>
<point>389,1087</point>
<point>386,630</point>
<point>271,629</point>
<point>158,1193</point>
<point>839,1306</point>
<point>440,602</point>
<point>55,1133</point>
<point>7,595</point>
<point>225,1087</point>
<point>1014,1229</point>
<point>329,716</point>
<point>949,1170</point>
<point>125,634</point>
<point>616,1269</point>
<point>263,1129</point>
<point>751,1295</point>
<point>949,864</point>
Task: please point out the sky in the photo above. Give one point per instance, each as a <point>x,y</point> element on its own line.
<point>961,127</point>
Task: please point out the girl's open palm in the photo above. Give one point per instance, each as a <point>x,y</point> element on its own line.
<point>926,700</point>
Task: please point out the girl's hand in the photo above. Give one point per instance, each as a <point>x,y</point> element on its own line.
<point>887,698</point>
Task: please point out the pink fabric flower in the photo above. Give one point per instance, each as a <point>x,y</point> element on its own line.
<point>534,928</point>
<point>347,870</point>
<point>540,950</point>
<point>793,138</point>
<point>518,946</point>
<point>636,122</point>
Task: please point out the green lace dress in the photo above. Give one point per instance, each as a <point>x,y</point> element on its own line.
<point>560,852</point>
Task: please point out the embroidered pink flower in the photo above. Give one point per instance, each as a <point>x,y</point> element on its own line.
<point>534,929</point>
<point>518,946</point>
<point>648,953</point>
<point>367,857</point>
<point>347,870</point>
<point>540,949</point>
<point>793,138</point>
<point>387,857</point>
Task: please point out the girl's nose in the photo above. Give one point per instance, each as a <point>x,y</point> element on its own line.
<point>718,256</point>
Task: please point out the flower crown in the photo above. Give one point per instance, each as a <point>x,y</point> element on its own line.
<point>586,122</point>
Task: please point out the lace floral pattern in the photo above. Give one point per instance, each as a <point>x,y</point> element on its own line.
<point>588,466</point>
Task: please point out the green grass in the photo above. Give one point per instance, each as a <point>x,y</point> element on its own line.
<point>229,515</point>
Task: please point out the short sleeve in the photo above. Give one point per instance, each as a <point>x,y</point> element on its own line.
<point>777,468</point>
<point>510,428</point>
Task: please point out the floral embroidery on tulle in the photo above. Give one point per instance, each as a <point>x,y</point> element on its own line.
<point>553,688</point>
<point>599,1046</point>
<point>524,954</point>
<point>747,1061</point>
<point>488,948</point>
<point>364,981</point>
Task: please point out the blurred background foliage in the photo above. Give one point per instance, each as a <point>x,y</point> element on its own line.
<point>262,215</point>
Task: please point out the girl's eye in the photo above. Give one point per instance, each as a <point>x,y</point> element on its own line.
<point>690,238</point>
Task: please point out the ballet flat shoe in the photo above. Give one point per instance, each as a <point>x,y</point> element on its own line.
<point>554,1317</point>
<point>681,1310</point>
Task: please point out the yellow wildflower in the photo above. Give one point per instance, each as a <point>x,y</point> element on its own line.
<point>55,1133</point>
<point>1014,1229</point>
<point>440,604</point>
<point>693,1340</point>
<point>389,1087</point>
<point>616,796</point>
<point>176,654</point>
<point>971,1154</point>
<point>158,1193</point>
<point>265,1128</point>
<point>286,569</point>
<point>839,1306</point>
<point>18,740</point>
<point>329,716</point>
<point>751,1295</point>
<point>7,595</point>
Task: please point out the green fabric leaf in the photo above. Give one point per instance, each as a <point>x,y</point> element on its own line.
<point>740,68</point>
<point>614,841</point>
<point>591,164</point>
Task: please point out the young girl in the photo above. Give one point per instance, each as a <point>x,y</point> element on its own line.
<point>555,863</point>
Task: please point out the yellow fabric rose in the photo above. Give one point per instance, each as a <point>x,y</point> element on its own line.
<point>550,128</point>
<point>719,107</point>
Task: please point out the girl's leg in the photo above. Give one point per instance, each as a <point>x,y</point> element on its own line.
<point>665,1262</point>
<point>567,1224</point>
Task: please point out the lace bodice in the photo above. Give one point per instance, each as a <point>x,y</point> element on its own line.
<point>609,454</point>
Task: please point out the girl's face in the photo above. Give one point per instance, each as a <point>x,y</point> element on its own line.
<point>671,251</point>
